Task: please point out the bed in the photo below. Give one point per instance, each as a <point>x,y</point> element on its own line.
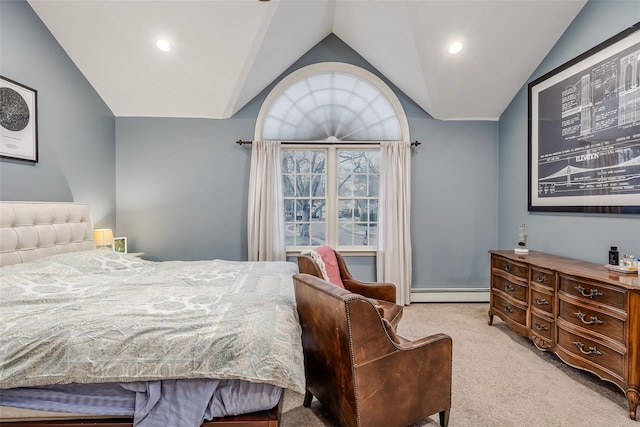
<point>209,340</point>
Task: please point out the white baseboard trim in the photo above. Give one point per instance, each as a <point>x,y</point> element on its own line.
<point>450,295</point>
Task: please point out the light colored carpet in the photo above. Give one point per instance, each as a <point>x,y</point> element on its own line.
<point>499,378</point>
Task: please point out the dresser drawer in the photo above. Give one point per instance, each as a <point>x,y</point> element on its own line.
<point>592,351</point>
<point>511,267</point>
<point>510,310</point>
<point>542,326</point>
<point>510,287</point>
<point>591,291</point>
<point>543,277</point>
<point>593,320</point>
<point>541,299</point>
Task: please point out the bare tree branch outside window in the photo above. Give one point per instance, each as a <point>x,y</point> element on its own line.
<point>304,175</point>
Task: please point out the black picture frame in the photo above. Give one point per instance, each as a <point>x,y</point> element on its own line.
<point>18,121</point>
<point>584,131</point>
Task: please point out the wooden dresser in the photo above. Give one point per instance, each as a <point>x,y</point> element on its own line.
<point>585,314</point>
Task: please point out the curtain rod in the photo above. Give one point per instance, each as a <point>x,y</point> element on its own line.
<point>240,142</point>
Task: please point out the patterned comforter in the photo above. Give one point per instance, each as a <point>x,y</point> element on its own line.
<point>101,316</point>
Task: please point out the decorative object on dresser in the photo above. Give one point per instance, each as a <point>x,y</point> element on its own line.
<point>522,242</point>
<point>585,314</point>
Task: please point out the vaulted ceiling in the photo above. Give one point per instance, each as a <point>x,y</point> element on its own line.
<point>225,52</point>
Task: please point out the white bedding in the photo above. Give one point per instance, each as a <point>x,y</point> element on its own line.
<point>101,316</point>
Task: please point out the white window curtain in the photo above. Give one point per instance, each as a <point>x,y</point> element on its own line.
<point>265,216</point>
<point>394,222</point>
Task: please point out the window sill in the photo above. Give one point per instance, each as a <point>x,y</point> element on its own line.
<point>343,251</point>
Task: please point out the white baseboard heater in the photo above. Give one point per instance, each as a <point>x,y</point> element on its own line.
<point>450,295</point>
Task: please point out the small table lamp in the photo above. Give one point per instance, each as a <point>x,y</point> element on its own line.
<point>103,238</point>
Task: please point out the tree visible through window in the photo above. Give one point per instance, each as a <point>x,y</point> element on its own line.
<point>330,197</point>
<point>304,177</point>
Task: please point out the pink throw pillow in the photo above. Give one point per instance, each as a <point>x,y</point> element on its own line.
<point>331,264</point>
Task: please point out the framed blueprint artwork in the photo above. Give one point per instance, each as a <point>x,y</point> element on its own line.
<point>584,131</point>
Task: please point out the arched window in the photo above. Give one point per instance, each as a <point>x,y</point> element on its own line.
<point>332,101</point>
<point>347,160</point>
<point>332,117</point>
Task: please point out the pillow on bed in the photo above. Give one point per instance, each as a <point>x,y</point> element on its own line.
<point>331,265</point>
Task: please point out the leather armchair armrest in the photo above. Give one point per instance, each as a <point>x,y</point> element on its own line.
<point>381,291</point>
<point>377,290</point>
<point>406,345</point>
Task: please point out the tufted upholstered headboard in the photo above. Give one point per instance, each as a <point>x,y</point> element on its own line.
<point>32,230</point>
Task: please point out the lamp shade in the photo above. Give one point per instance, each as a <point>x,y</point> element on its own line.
<point>103,237</point>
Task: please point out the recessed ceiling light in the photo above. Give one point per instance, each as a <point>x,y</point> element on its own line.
<point>163,45</point>
<point>455,47</point>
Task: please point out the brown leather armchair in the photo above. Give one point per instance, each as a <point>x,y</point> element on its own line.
<point>384,294</point>
<point>359,369</point>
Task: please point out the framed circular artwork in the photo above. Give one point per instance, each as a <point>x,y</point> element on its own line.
<point>18,121</point>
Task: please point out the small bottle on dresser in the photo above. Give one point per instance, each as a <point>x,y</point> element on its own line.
<point>613,256</point>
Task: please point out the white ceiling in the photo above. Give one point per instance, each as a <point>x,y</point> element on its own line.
<point>225,52</point>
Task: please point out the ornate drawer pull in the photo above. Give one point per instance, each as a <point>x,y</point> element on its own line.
<point>592,350</point>
<point>594,292</point>
<point>508,287</point>
<point>594,319</point>
<point>541,279</point>
<point>541,301</point>
<point>541,327</point>
<point>507,308</point>
<point>509,268</point>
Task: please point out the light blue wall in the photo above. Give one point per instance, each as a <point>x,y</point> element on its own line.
<point>454,205</point>
<point>583,236</point>
<point>182,187</point>
<point>76,130</point>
